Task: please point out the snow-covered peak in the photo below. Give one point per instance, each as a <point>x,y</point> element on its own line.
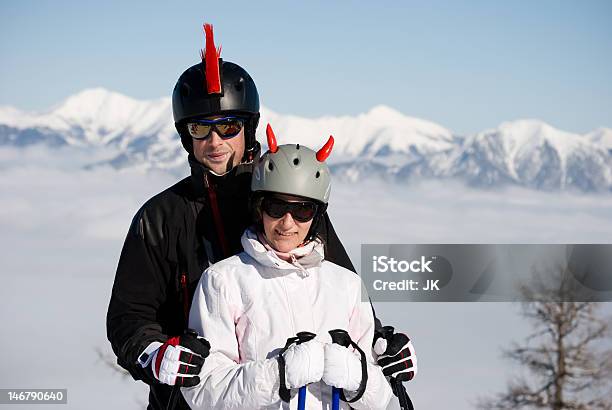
<point>10,115</point>
<point>383,115</point>
<point>384,112</point>
<point>601,136</point>
<point>96,102</point>
<point>533,153</point>
<point>102,113</point>
<point>529,130</point>
<point>525,134</point>
<point>98,116</point>
<point>380,141</point>
<point>380,131</point>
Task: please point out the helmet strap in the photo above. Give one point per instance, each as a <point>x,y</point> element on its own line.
<point>316,222</point>
<point>250,141</point>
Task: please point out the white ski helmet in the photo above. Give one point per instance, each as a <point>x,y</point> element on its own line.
<point>294,170</point>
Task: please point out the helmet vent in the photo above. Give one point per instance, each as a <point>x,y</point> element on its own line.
<point>318,174</point>
<point>239,85</point>
<point>296,161</point>
<point>270,166</point>
<point>297,146</point>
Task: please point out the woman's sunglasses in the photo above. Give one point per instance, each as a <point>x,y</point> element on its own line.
<point>226,128</point>
<point>302,211</point>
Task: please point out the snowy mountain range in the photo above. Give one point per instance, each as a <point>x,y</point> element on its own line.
<point>380,143</point>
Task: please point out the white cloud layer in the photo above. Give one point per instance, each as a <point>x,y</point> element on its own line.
<point>62,230</point>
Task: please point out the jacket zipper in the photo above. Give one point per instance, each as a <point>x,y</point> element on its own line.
<point>185,295</point>
<point>214,205</point>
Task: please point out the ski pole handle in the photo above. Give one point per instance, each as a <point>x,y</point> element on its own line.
<point>341,337</point>
<point>303,337</point>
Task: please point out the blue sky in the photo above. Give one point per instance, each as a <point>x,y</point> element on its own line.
<point>465,65</point>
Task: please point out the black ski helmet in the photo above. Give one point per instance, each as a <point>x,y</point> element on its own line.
<point>215,87</point>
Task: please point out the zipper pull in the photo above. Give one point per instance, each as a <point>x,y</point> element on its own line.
<point>183,280</point>
<point>294,262</point>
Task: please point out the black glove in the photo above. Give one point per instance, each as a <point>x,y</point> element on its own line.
<point>396,354</point>
<point>179,360</point>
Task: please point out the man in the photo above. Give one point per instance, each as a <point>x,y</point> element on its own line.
<point>179,232</point>
<point>185,228</point>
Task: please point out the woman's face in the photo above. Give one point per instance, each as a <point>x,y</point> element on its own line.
<point>285,233</point>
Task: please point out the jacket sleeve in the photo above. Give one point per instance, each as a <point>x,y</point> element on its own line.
<point>361,329</point>
<point>138,292</point>
<point>226,383</point>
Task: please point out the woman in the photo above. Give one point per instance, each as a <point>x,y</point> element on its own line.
<point>251,306</point>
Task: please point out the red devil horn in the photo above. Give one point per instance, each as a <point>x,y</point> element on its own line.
<point>210,58</point>
<point>324,152</point>
<point>272,145</point>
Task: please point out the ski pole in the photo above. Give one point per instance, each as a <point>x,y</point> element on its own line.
<point>303,337</point>
<point>172,399</point>
<point>341,337</point>
<point>175,389</point>
<point>400,391</point>
<point>302,398</point>
<point>396,385</point>
<point>335,398</point>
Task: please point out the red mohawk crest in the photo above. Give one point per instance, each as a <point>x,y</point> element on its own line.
<point>210,58</point>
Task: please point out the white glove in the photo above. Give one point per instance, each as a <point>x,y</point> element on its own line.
<point>303,363</point>
<point>342,367</point>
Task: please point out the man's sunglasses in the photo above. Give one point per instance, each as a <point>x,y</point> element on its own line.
<point>226,127</point>
<point>302,211</point>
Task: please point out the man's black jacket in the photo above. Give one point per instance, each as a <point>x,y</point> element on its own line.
<point>173,238</point>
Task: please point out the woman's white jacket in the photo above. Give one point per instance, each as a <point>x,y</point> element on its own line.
<point>248,305</point>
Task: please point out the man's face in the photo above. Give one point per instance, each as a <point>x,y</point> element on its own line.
<point>218,154</point>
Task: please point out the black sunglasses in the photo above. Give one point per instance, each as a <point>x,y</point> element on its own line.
<point>301,211</point>
<point>226,127</point>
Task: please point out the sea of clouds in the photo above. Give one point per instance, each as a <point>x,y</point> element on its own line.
<point>62,228</point>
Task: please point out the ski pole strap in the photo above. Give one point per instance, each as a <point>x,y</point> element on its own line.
<point>283,391</point>
<point>341,337</point>
<point>364,376</point>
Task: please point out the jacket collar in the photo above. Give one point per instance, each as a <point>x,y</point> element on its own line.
<point>237,180</point>
<point>309,256</point>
